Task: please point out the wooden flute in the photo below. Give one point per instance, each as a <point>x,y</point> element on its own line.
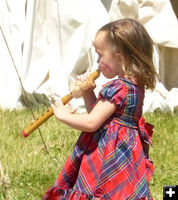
<point>34,125</point>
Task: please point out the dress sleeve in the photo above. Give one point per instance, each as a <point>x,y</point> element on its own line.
<point>114,91</point>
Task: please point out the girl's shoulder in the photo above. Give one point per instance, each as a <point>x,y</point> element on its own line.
<point>117,91</point>
<point>115,83</point>
<point>117,87</point>
<point>118,83</point>
<point>112,88</point>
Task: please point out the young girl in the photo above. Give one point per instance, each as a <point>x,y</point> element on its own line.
<point>110,159</point>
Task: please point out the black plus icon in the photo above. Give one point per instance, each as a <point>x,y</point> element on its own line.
<point>170,192</point>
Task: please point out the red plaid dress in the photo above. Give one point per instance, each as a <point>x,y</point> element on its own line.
<point>113,162</point>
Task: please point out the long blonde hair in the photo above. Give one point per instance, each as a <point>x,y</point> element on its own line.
<point>131,40</point>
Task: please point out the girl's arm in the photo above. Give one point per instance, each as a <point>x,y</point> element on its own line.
<point>87,122</point>
<point>89,98</point>
<point>87,90</point>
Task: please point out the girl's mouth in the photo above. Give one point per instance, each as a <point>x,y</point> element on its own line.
<point>103,66</point>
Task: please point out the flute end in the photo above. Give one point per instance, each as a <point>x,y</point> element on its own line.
<point>24,134</point>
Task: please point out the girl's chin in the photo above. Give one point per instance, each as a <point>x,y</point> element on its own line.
<point>109,76</point>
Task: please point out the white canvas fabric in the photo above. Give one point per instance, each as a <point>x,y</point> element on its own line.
<point>51,42</point>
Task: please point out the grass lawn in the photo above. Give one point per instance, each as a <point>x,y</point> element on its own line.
<point>27,169</point>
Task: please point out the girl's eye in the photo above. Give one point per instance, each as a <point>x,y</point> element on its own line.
<point>99,55</point>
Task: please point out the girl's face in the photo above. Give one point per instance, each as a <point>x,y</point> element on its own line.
<point>109,62</point>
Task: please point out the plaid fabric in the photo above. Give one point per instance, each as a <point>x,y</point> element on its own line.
<point>109,163</point>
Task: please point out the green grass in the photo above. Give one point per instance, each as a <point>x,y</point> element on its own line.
<point>28,169</point>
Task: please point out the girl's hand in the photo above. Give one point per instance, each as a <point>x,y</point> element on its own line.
<point>60,110</point>
<point>82,85</point>
<point>83,77</point>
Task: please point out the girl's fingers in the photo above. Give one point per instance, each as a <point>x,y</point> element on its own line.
<point>53,106</point>
<point>73,110</point>
<point>83,77</point>
<point>56,104</point>
<point>59,102</point>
